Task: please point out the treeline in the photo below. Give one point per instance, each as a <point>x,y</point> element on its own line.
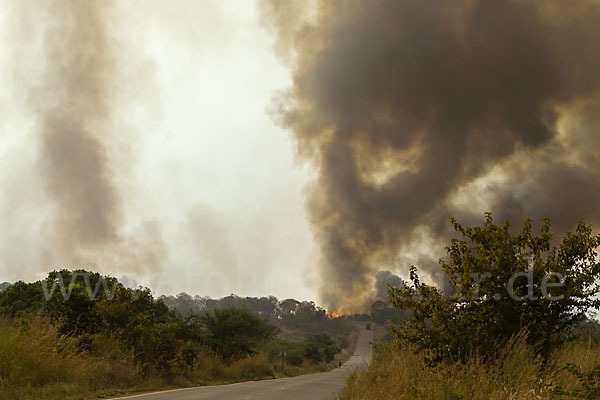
<point>296,319</point>
<point>104,319</point>
<point>268,307</point>
<point>304,316</point>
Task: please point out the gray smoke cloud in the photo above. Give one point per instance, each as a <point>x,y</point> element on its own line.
<point>121,155</point>
<point>383,279</point>
<point>415,111</point>
<point>77,106</point>
<point>75,112</point>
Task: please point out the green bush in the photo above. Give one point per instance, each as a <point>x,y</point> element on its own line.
<point>481,317</point>
<point>157,337</point>
<point>344,342</point>
<point>320,347</point>
<point>316,349</point>
<point>122,338</point>
<point>236,332</point>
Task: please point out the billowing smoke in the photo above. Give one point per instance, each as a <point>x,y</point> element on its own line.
<point>384,279</point>
<point>78,105</point>
<point>75,110</point>
<point>121,155</point>
<point>414,111</point>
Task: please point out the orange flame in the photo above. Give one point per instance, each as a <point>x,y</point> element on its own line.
<point>331,315</point>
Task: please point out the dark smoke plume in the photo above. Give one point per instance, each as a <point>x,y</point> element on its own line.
<point>383,279</point>
<point>414,111</point>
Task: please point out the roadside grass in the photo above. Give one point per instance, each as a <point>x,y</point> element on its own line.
<point>518,373</point>
<point>37,363</point>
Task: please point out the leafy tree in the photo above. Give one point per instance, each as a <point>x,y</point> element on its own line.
<point>263,306</point>
<point>236,332</point>
<point>502,283</point>
<point>288,307</point>
<point>148,327</point>
<point>94,307</point>
<point>168,332</point>
<point>294,351</point>
<point>72,296</point>
<point>308,311</point>
<point>21,298</point>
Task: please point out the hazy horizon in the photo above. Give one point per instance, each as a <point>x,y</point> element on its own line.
<point>195,165</point>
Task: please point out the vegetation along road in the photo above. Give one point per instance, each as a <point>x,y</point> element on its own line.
<point>320,386</point>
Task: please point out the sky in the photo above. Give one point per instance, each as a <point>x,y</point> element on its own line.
<point>300,149</point>
<point>210,190</point>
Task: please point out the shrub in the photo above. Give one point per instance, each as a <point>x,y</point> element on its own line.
<point>236,332</point>
<point>320,347</point>
<point>480,317</point>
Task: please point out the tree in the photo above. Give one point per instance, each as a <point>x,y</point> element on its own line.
<point>320,347</point>
<point>92,307</point>
<point>288,307</point>
<point>502,283</point>
<point>21,298</point>
<point>262,306</point>
<point>236,332</point>
<point>77,310</point>
<point>148,327</point>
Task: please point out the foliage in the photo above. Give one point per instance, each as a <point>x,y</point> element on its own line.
<point>154,333</point>
<point>35,360</point>
<point>296,319</point>
<point>87,334</point>
<point>320,347</point>
<point>236,332</point>
<point>517,372</point>
<point>294,351</point>
<point>21,298</point>
<point>589,383</point>
<point>480,317</point>
<point>344,342</point>
<point>87,304</point>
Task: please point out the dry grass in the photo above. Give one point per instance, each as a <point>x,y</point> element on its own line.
<point>35,363</point>
<point>517,374</point>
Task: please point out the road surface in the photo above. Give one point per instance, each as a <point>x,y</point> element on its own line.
<point>320,386</point>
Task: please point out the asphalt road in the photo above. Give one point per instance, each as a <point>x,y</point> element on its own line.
<point>320,386</point>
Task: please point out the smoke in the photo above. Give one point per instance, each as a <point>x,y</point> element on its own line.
<point>415,111</point>
<point>74,110</point>
<point>382,280</point>
<point>78,104</point>
<point>117,122</point>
